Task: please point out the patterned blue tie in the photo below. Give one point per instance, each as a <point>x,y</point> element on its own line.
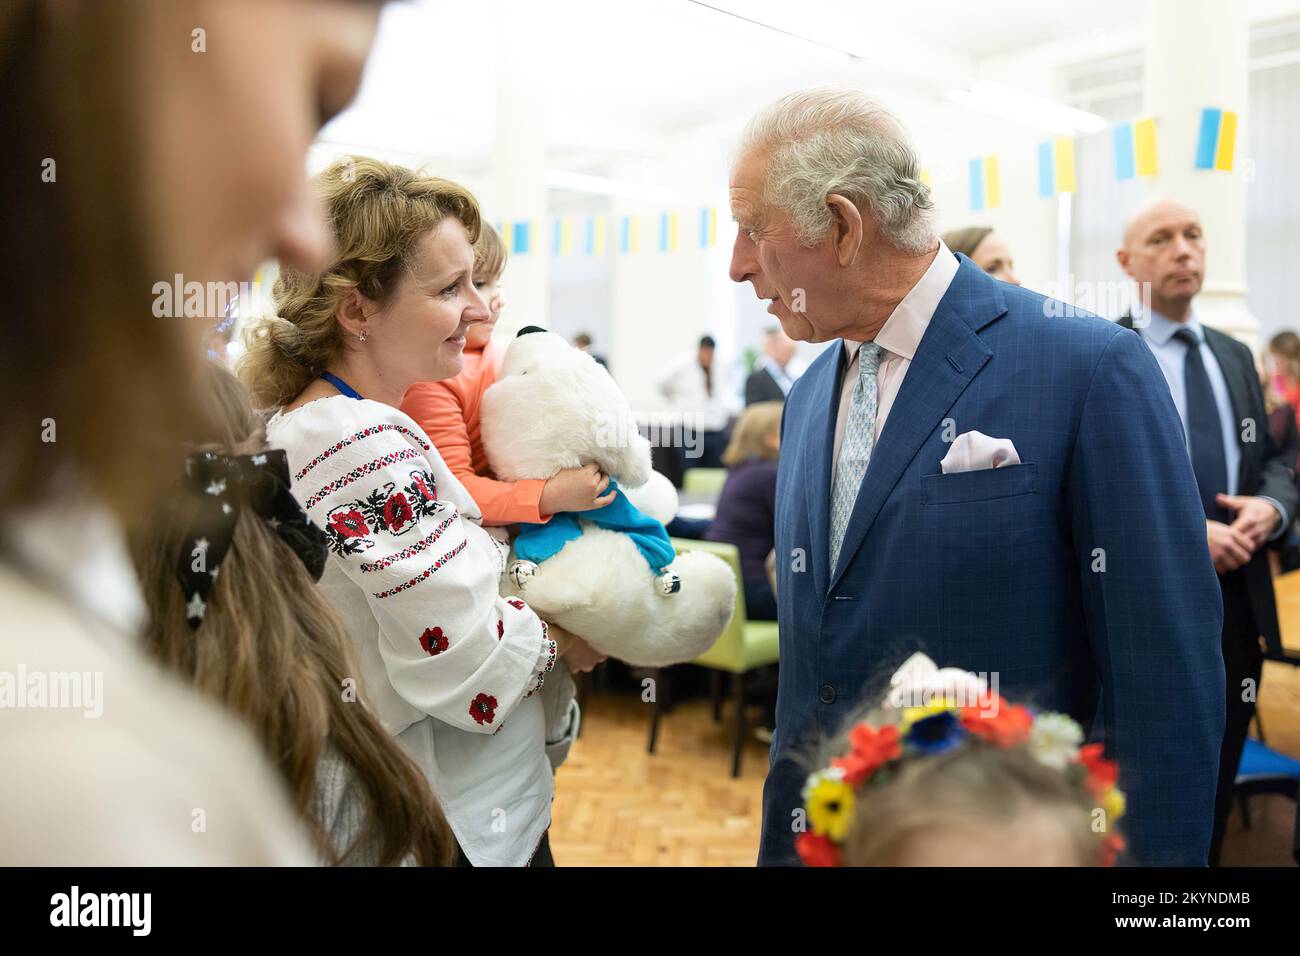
<point>855,450</point>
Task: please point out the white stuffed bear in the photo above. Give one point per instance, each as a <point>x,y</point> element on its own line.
<point>609,575</point>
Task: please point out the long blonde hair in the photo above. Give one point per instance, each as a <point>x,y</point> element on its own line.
<point>273,651</point>
<point>378,212</point>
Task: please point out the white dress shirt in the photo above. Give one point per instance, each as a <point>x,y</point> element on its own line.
<point>683,386</point>
<point>898,339</point>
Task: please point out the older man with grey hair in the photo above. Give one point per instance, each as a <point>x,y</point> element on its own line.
<point>976,472</point>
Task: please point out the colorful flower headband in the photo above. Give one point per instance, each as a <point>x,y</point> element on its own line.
<point>942,723</point>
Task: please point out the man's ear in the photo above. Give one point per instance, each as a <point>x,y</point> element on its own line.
<point>847,229</point>
<point>351,313</point>
<point>1121,256</point>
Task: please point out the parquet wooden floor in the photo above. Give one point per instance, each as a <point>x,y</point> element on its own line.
<point>617,805</point>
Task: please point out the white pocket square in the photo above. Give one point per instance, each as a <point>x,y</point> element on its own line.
<point>975,451</point>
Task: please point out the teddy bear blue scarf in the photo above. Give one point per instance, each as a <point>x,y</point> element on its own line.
<point>537,542</point>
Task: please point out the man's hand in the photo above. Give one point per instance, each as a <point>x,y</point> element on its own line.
<point>1230,549</point>
<point>1256,518</point>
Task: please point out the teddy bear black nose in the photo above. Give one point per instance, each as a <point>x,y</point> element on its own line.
<point>529,328</point>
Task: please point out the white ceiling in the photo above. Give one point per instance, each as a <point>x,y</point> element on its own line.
<point>618,75</point>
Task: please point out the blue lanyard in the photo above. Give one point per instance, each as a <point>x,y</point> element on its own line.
<point>341,385</point>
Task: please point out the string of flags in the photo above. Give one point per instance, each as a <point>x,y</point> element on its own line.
<point>985,183</point>
<point>1135,155</point>
<point>1056,167</point>
<point>1135,149</point>
<point>589,235</point>
<point>1217,140</point>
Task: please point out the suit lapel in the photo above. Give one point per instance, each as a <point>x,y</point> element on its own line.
<point>1238,397</point>
<point>949,357</point>
<point>820,446</point>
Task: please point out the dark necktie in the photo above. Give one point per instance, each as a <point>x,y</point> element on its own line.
<point>1204,429</point>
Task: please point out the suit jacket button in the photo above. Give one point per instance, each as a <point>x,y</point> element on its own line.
<point>827,694</point>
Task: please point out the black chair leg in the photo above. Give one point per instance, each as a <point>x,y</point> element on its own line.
<point>738,745</point>
<point>716,682</point>
<point>583,685</point>
<point>1243,804</point>
<point>654,711</point>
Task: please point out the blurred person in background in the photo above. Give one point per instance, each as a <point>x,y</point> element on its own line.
<point>770,381</point>
<point>1284,359</point>
<point>1283,428</point>
<point>695,386</point>
<point>1245,480</point>
<point>986,249</point>
<point>583,341</point>
<point>118,175</point>
<point>746,514</point>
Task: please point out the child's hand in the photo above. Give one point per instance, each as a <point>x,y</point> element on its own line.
<point>575,489</point>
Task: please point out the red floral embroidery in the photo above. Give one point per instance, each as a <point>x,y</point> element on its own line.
<point>434,641</point>
<point>423,489</point>
<point>425,574</point>
<point>501,629</point>
<point>397,512</point>
<point>515,603</point>
<point>483,708</point>
<point>349,524</point>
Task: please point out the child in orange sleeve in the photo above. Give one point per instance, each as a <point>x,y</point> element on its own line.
<point>448,411</point>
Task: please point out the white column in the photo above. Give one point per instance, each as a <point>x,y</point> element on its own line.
<point>664,301</point>
<point>518,178</point>
<point>1196,56</point>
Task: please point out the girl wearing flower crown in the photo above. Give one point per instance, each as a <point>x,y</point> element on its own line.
<point>947,773</point>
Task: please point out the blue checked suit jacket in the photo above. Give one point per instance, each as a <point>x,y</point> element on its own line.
<point>992,571</point>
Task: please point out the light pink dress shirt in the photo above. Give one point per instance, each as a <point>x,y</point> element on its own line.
<point>898,339</point>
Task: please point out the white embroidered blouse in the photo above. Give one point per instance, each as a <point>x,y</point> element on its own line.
<point>450,668</point>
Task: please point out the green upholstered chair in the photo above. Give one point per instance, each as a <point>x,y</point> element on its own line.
<point>742,646</point>
<point>704,481</point>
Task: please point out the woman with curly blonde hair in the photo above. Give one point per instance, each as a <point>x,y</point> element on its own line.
<point>453,670</point>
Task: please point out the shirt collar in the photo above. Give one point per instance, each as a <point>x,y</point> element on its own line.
<point>102,579</point>
<point>902,332</point>
<point>1160,329</point>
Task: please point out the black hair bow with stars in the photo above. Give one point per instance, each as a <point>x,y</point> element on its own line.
<point>224,485</point>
